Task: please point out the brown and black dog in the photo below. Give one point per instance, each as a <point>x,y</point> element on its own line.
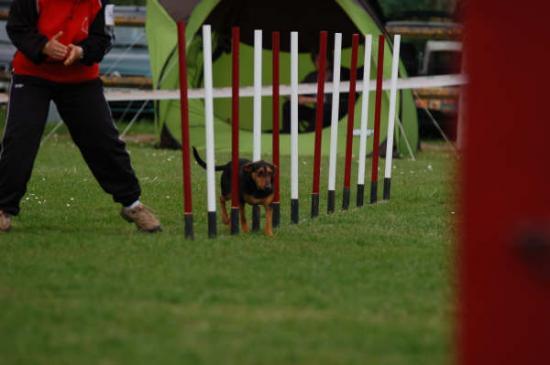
<point>255,188</point>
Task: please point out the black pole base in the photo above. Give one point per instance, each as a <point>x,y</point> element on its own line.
<point>373,192</point>
<point>234,220</point>
<point>314,205</point>
<point>331,201</point>
<point>276,214</point>
<point>360,195</point>
<point>255,218</point>
<point>345,199</point>
<point>188,226</point>
<point>212,230</point>
<point>387,188</point>
<point>294,212</point>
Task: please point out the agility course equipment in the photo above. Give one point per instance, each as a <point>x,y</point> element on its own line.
<point>391,117</point>
<point>185,146</point>
<point>257,128</point>
<point>363,129</point>
<point>377,112</point>
<point>209,130</point>
<point>294,209</point>
<point>319,123</point>
<point>235,199</point>
<point>276,39</point>
<point>331,196</point>
<point>259,93</point>
<point>294,151</point>
<point>351,120</point>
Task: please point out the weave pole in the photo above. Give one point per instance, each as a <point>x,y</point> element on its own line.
<point>257,128</point>
<point>331,198</point>
<point>319,123</point>
<point>364,123</point>
<point>185,147</point>
<point>351,120</point>
<point>391,117</point>
<point>294,202</point>
<point>235,198</point>
<point>377,111</point>
<point>275,41</point>
<point>209,130</point>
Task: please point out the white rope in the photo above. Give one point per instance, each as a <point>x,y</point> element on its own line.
<point>422,82</point>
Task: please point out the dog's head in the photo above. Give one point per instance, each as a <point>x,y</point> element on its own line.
<point>262,173</point>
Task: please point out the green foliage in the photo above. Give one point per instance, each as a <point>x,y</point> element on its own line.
<point>80,286</point>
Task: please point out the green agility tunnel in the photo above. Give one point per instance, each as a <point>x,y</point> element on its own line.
<point>308,17</point>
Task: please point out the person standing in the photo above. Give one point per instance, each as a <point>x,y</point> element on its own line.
<point>59,45</point>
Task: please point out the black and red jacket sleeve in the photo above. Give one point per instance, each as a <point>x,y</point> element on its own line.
<point>23,32</point>
<point>99,40</point>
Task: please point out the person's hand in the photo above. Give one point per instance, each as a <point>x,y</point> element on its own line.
<point>55,49</point>
<point>75,53</point>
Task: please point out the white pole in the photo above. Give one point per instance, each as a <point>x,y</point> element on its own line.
<point>364,111</point>
<point>335,110</point>
<point>393,102</point>
<point>257,130</point>
<point>209,114</point>
<point>294,117</point>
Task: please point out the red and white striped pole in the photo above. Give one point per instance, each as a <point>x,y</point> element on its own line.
<point>377,112</point>
<point>185,147</point>
<point>276,118</point>
<point>235,198</point>
<point>319,123</point>
<point>351,119</point>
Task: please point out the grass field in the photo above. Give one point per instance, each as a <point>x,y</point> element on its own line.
<point>78,285</point>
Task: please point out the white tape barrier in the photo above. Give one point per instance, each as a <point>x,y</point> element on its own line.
<point>420,82</point>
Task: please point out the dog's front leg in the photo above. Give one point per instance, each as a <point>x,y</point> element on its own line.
<point>268,220</point>
<point>244,224</point>
<point>223,209</point>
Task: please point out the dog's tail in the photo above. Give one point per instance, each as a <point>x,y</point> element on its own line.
<point>201,162</point>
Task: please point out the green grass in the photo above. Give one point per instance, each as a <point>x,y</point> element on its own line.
<point>78,285</point>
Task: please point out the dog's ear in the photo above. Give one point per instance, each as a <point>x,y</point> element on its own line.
<point>249,167</point>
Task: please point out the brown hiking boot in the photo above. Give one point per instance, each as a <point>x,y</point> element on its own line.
<point>144,219</point>
<point>5,222</point>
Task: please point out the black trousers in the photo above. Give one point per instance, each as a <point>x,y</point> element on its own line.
<point>83,108</point>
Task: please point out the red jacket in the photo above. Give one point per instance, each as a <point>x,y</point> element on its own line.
<point>32,22</point>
